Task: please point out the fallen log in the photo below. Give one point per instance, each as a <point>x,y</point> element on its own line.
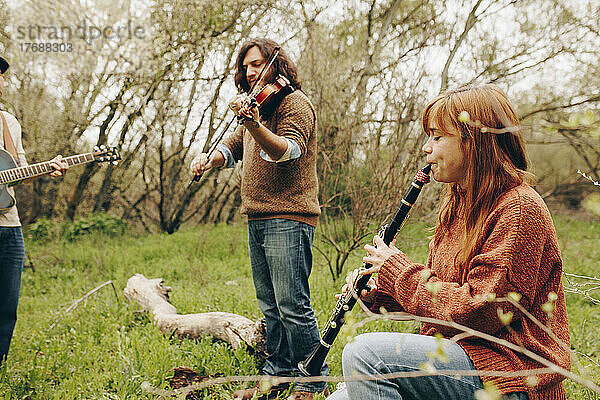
<point>153,297</point>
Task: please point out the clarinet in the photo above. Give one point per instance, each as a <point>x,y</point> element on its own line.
<point>313,364</point>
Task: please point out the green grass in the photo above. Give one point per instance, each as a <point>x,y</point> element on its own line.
<point>579,242</point>
<point>104,349</point>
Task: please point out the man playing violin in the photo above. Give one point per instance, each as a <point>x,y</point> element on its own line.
<point>279,192</point>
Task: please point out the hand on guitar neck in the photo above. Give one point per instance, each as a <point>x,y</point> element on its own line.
<point>11,174</point>
<point>60,168</point>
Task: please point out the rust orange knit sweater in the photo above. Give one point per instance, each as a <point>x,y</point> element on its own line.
<point>516,252</point>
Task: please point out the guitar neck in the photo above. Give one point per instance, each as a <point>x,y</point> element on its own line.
<point>30,171</point>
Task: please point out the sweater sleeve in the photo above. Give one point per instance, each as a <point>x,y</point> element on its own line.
<point>235,143</point>
<point>385,301</point>
<point>297,120</point>
<point>508,259</point>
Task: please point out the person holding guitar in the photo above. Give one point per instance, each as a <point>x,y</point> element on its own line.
<point>278,147</point>
<point>12,248</point>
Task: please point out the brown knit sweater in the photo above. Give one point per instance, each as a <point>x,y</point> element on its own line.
<point>287,189</point>
<point>516,252</point>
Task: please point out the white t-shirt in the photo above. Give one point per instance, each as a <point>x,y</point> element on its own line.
<point>11,218</point>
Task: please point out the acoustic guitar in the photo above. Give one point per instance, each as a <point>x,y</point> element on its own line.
<point>10,173</point>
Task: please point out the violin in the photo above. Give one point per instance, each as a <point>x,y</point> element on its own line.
<point>268,97</point>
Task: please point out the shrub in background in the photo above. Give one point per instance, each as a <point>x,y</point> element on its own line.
<point>94,223</point>
<point>41,229</point>
<point>592,203</point>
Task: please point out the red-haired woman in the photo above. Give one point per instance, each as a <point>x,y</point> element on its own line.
<point>494,238</point>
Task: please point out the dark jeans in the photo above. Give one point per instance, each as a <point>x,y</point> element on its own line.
<point>12,258</point>
<point>281,258</point>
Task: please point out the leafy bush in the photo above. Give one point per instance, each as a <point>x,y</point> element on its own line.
<point>592,203</point>
<point>95,223</point>
<point>41,229</point>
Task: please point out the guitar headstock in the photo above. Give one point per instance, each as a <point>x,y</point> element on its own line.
<point>106,154</point>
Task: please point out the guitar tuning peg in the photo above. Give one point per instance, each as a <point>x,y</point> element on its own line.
<point>115,162</point>
<point>103,147</point>
<point>96,148</point>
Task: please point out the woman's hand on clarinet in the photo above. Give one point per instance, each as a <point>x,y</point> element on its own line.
<point>376,255</point>
<point>366,295</point>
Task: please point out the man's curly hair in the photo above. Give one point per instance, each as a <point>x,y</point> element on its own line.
<point>281,66</point>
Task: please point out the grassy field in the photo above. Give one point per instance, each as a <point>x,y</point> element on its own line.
<point>104,349</point>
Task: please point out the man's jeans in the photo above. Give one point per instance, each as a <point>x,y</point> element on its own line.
<point>386,353</point>
<point>281,258</point>
<point>12,258</point>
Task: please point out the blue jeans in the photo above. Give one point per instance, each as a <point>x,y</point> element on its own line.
<point>12,258</point>
<point>281,259</point>
<point>386,353</point>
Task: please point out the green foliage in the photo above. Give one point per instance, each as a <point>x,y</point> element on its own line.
<point>104,349</point>
<point>98,223</point>
<point>592,203</point>
<point>42,229</point>
<point>95,223</point>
